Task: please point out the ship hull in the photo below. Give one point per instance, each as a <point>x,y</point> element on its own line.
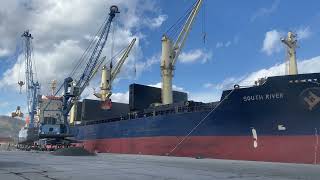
<point>278,122</point>
<point>273,149</point>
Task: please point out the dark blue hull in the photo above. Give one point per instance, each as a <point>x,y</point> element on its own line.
<point>269,122</point>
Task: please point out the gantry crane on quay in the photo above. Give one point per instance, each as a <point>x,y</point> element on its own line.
<point>75,84</point>
<point>73,88</point>
<point>53,127</point>
<point>29,133</point>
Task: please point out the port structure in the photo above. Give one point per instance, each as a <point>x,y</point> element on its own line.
<point>109,74</point>
<point>31,86</point>
<point>171,49</point>
<point>291,43</point>
<point>29,133</point>
<point>73,86</point>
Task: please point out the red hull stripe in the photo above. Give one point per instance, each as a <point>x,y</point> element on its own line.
<point>289,149</point>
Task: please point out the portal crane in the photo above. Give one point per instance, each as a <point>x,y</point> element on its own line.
<point>74,88</point>
<point>31,86</point>
<point>109,75</point>
<point>170,53</point>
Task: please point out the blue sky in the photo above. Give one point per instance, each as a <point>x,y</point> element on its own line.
<point>242,42</point>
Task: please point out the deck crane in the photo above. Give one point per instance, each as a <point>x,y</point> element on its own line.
<point>108,75</point>
<point>73,88</point>
<point>171,50</point>
<point>291,43</point>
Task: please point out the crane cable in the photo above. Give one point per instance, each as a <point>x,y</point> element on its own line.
<point>176,25</point>
<point>18,51</point>
<point>61,85</point>
<point>204,34</point>
<point>200,122</point>
<point>175,29</point>
<point>85,53</point>
<point>112,43</point>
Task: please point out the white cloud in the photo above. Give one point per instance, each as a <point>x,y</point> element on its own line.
<point>303,33</point>
<point>156,22</point>
<point>228,43</point>
<point>265,11</point>
<point>208,85</point>
<point>225,84</point>
<point>271,42</point>
<point>195,55</point>
<point>174,87</point>
<point>3,104</point>
<point>53,65</point>
<point>207,96</point>
<point>146,65</point>
<point>115,97</point>
<point>219,44</point>
<point>213,91</point>
<point>311,65</point>
<point>120,97</point>
<point>4,52</point>
<point>61,30</point>
<point>276,70</point>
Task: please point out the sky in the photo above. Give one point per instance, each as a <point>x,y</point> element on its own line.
<point>242,43</point>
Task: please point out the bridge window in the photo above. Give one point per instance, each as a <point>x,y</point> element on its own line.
<point>49,120</point>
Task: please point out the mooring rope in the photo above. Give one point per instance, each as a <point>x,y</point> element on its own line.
<point>194,128</point>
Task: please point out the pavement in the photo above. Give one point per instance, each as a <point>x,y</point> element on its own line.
<point>19,165</point>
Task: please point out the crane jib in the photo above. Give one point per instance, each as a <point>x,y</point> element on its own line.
<point>75,91</point>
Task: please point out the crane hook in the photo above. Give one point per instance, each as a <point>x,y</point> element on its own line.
<point>20,83</point>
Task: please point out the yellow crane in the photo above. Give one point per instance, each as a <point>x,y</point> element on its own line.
<point>109,74</point>
<point>170,53</point>
<point>17,113</point>
<point>291,43</point>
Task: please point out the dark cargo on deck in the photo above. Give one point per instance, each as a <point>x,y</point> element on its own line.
<point>141,96</point>
<point>91,110</point>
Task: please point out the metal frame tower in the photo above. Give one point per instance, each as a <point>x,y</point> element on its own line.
<point>32,87</point>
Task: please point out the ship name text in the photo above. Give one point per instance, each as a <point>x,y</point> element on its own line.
<point>262,97</point>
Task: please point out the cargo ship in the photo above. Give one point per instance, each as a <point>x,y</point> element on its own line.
<point>277,120</point>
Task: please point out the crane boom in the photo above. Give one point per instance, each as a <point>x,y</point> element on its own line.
<point>109,75</point>
<point>178,45</point>
<point>73,89</point>
<point>170,53</point>
<point>92,62</point>
<point>116,70</point>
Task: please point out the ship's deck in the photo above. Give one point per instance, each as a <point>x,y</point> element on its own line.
<point>41,165</point>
